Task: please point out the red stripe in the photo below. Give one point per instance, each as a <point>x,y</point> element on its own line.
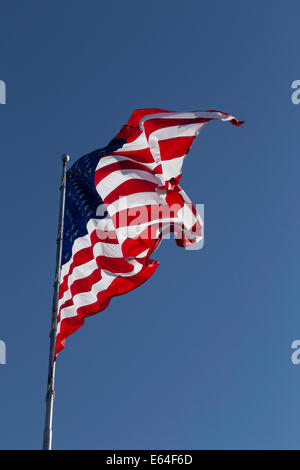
<point>81,257</point>
<point>134,247</point>
<point>141,156</point>
<point>86,254</point>
<point>138,114</point>
<point>107,236</point>
<point>83,285</point>
<point>144,214</point>
<point>107,170</point>
<point>132,186</point>
<point>175,147</point>
<point>119,286</point>
<point>128,133</point>
<point>115,265</point>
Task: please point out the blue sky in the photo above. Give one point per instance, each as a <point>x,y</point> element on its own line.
<point>199,357</point>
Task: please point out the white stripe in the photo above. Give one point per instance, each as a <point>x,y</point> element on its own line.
<point>85,241</point>
<point>138,144</point>
<point>185,196</point>
<point>143,254</point>
<point>190,130</point>
<point>191,115</point>
<point>184,130</point>
<point>133,231</point>
<point>186,215</point>
<point>172,168</point>
<point>88,298</point>
<point>155,137</point>
<point>84,270</point>
<point>116,178</point>
<point>110,159</point>
<point>91,297</point>
<point>136,200</point>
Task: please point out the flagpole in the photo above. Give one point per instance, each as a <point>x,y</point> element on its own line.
<point>47,443</point>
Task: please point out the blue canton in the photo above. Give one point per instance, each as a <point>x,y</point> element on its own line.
<point>82,199</point>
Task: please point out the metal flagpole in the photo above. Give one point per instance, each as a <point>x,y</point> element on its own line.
<point>47,443</point>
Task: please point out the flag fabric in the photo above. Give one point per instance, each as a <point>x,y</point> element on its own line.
<point>121,201</point>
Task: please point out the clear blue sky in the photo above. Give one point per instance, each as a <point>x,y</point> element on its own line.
<point>199,356</point>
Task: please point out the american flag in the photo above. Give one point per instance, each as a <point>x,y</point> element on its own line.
<point>121,201</point>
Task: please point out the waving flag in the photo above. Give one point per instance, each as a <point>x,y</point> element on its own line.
<point>120,201</point>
